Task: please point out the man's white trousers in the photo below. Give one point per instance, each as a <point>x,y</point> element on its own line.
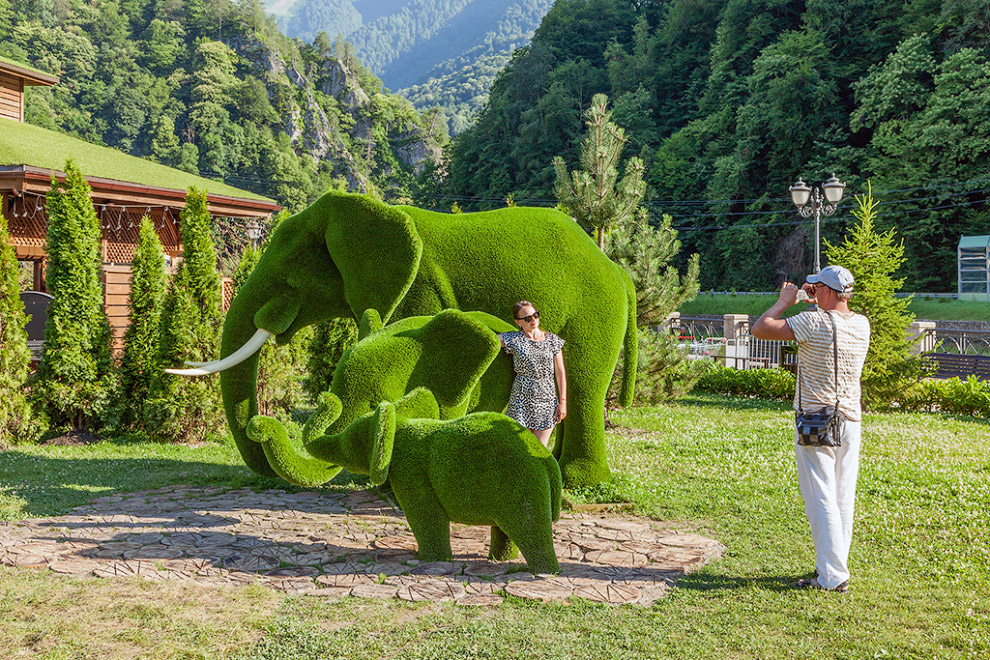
<point>827,476</point>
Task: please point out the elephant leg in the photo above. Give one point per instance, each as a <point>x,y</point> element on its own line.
<point>502,548</point>
<point>428,521</point>
<point>581,447</point>
<point>535,541</point>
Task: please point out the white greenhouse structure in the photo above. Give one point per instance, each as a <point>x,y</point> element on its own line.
<point>974,268</point>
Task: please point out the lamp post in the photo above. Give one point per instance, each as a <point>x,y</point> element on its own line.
<point>817,201</point>
<point>253,231</point>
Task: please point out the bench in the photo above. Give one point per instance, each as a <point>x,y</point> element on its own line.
<point>951,365</point>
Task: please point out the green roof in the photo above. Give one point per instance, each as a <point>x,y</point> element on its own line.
<point>26,144</point>
<point>970,242</point>
<point>26,67</point>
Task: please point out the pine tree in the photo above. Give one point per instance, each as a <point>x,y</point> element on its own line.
<point>182,408</point>
<point>595,196</point>
<point>76,378</point>
<point>664,372</point>
<point>873,257</point>
<point>16,419</point>
<point>646,252</point>
<point>139,365</point>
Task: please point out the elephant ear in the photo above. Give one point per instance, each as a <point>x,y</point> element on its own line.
<point>456,352</point>
<point>371,322</point>
<point>418,404</point>
<point>375,247</point>
<point>383,438</point>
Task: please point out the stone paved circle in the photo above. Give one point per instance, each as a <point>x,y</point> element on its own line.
<point>332,545</point>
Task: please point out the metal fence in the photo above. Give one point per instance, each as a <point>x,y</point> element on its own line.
<point>962,342</point>
<point>704,337</point>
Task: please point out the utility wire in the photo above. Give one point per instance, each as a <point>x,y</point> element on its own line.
<point>681,203</point>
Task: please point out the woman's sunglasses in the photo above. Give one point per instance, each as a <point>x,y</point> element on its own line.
<point>528,319</point>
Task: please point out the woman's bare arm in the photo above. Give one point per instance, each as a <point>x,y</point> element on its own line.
<point>561,376</point>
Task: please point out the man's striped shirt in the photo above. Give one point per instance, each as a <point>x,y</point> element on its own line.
<point>816,370</point>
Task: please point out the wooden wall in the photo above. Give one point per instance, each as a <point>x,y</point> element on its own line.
<point>11,97</point>
<point>116,279</point>
<point>116,298</point>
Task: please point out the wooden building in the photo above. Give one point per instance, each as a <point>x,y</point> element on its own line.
<point>125,188</point>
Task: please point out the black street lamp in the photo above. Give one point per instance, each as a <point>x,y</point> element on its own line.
<point>817,201</point>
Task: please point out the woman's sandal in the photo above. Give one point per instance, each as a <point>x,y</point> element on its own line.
<point>812,583</point>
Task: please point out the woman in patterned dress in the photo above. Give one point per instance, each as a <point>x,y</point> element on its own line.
<point>538,362</point>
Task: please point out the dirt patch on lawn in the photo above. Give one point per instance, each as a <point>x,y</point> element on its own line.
<point>73,438</point>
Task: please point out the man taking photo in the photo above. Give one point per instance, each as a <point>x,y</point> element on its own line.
<point>832,344</point>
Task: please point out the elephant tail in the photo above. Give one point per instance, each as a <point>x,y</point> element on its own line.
<point>630,347</point>
<point>556,484</point>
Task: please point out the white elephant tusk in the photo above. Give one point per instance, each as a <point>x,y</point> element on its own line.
<point>250,347</point>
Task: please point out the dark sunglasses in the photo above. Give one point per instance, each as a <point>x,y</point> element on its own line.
<point>528,319</point>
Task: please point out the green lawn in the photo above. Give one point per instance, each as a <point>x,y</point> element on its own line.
<point>943,309</point>
<point>920,557</point>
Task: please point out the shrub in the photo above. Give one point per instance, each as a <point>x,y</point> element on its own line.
<point>16,418</point>
<point>140,362</point>
<point>775,384</point>
<point>663,371</point>
<point>182,408</point>
<point>954,396</point>
<point>76,379</point>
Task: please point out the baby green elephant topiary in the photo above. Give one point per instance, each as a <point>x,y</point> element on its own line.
<point>480,469</point>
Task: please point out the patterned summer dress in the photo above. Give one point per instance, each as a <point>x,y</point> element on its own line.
<point>533,401</point>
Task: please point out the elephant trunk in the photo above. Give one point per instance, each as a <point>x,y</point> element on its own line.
<point>289,461</point>
<point>239,384</point>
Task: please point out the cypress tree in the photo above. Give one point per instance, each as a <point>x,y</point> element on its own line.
<point>874,257</point>
<point>182,408</point>
<point>140,364</point>
<point>76,378</point>
<point>330,340</point>
<point>16,420</point>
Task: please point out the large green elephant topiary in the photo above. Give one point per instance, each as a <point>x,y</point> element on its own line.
<point>479,469</point>
<point>347,253</point>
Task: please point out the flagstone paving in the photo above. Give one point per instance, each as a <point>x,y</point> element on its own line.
<point>333,545</point>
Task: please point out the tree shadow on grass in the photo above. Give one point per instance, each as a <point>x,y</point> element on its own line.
<point>733,403</point>
<point>707,582</point>
<point>49,486</point>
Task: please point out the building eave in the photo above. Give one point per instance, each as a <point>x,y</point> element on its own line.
<point>27,178</point>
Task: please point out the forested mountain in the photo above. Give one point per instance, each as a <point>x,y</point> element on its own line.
<point>215,88</point>
<point>435,51</point>
<point>730,101</point>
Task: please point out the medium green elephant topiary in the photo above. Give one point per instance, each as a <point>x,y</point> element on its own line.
<point>480,469</point>
<point>346,254</point>
<point>455,355</point>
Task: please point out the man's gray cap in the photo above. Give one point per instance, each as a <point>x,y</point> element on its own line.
<point>836,278</point>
